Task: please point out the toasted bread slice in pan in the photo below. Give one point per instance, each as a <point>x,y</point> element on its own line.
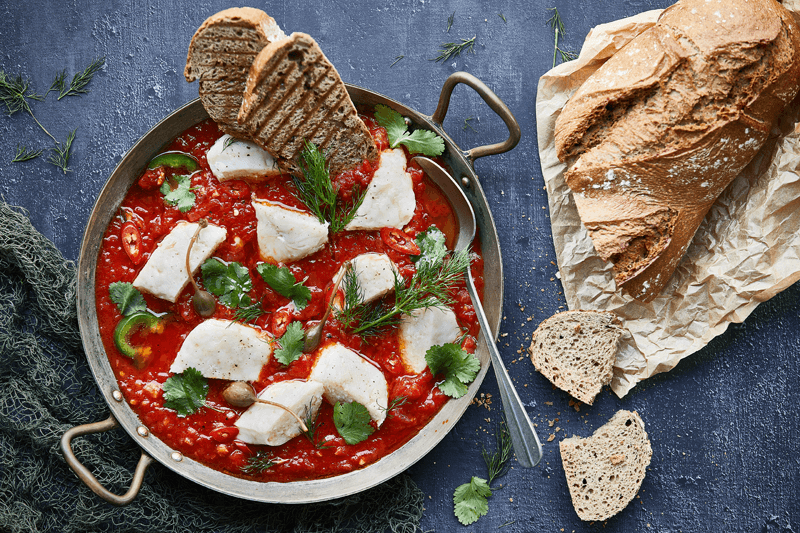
<point>294,94</point>
<point>220,55</point>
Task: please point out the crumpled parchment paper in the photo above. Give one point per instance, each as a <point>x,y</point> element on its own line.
<point>746,250</point>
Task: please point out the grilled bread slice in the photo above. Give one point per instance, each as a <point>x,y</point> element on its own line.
<point>293,95</point>
<point>604,471</point>
<point>220,55</point>
<point>576,350</point>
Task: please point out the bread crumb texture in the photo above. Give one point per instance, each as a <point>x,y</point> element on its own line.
<point>605,471</point>
<point>576,351</point>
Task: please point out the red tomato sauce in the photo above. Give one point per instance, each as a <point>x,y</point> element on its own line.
<point>209,435</point>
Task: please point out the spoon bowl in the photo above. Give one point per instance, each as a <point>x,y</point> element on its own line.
<point>526,443</point>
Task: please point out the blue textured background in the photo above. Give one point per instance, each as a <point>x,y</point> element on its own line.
<point>723,424</point>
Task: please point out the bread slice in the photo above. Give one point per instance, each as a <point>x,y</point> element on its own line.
<point>604,471</point>
<point>576,350</point>
<point>659,131</point>
<point>294,94</point>
<point>220,55</point>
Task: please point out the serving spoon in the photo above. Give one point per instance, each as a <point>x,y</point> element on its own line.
<point>523,436</point>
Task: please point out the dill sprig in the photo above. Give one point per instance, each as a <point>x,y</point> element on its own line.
<point>450,21</point>
<point>312,423</point>
<point>396,60</point>
<point>15,93</point>
<point>557,24</point>
<point>59,154</point>
<point>430,286</point>
<point>25,154</point>
<point>468,124</point>
<point>316,191</point>
<point>396,402</point>
<point>260,462</point>
<point>228,142</point>
<point>502,17</point>
<point>497,462</point>
<point>79,81</point>
<point>449,50</point>
<point>249,313</point>
<point>58,83</point>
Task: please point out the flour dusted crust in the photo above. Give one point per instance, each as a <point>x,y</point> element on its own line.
<point>657,133</point>
<point>220,55</point>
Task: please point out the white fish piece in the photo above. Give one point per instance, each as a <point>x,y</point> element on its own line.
<point>164,275</point>
<point>286,234</point>
<point>390,200</point>
<point>348,377</point>
<point>273,426</point>
<point>423,329</point>
<point>237,159</point>
<point>224,349</point>
<point>374,273</point>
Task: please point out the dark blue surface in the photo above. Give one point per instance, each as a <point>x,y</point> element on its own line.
<point>723,424</point>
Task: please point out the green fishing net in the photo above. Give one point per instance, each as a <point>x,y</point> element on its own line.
<point>46,387</point>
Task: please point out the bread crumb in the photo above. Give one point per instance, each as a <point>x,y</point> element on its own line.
<point>551,422</point>
<point>551,437</point>
<point>617,459</point>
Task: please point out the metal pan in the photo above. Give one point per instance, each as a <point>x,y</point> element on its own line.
<point>130,168</point>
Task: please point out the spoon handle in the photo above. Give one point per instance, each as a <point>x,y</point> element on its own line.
<point>526,444</point>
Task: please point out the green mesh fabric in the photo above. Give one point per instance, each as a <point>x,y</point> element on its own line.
<point>46,387</point>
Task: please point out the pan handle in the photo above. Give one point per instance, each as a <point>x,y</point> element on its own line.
<point>492,100</point>
<point>87,477</point>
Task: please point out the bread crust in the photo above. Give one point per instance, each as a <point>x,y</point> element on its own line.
<point>220,54</point>
<point>660,130</point>
<point>294,94</point>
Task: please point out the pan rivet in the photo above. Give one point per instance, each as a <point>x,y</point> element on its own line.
<point>407,121</point>
<point>142,431</point>
<point>465,181</point>
<point>117,395</point>
<point>177,456</point>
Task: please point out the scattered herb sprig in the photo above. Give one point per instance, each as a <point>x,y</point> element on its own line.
<point>249,313</point>
<point>59,154</point>
<point>313,423</point>
<point>458,367</point>
<point>25,154</point>
<point>16,94</point>
<point>79,81</point>
<point>127,297</point>
<point>471,500</point>
<point>291,344</point>
<point>396,60</point>
<point>557,24</point>
<point>315,189</point>
<point>230,282</point>
<point>448,50</point>
<point>450,21</point>
<point>468,124</point>
<point>282,281</point>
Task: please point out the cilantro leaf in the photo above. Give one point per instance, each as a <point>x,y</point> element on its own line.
<point>419,142</point>
<point>431,245</point>
<point>391,120</point>
<point>459,368</point>
<point>181,196</point>
<point>470,500</point>
<point>352,422</point>
<point>423,142</point>
<point>291,344</point>
<point>230,282</point>
<point>284,283</point>
<point>185,392</point>
<point>128,299</point>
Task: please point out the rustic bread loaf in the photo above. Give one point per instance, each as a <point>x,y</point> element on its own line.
<point>657,132</point>
<point>220,55</point>
<point>576,350</point>
<point>293,95</point>
<point>604,471</point>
